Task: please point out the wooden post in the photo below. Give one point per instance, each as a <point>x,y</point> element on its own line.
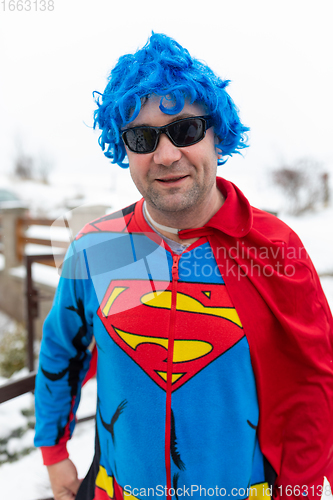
<point>32,312</point>
<point>10,235</point>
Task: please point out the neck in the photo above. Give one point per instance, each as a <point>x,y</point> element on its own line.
<point>166,229</point>
<point>169,226</point>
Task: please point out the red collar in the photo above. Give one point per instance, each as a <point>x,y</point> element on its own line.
<point>233,218</point>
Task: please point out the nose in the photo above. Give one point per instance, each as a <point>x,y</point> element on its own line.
<point>166,153</point>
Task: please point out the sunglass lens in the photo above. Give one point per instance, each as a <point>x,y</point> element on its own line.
<point>187,132</point>
<point>141,140</point>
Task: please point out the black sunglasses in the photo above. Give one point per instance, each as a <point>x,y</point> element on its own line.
<point>182,133</point>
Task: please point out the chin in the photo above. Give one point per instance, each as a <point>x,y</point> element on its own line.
<point>174,206</point>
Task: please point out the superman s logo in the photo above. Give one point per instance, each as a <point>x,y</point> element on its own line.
<point>137,318</point>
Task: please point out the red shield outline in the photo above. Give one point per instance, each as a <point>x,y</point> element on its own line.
<point>137,318</point>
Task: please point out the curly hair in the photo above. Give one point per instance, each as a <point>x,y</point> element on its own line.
<point>164,68</point>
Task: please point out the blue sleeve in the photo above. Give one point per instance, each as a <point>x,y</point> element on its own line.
<point>64,357</point>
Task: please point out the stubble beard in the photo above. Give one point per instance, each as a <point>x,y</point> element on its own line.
<point>176,202</point>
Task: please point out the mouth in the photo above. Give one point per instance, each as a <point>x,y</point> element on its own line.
<point>172,180</point>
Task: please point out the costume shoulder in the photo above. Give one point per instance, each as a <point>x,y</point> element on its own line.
<point>117,222</point>
<point>271,226</point>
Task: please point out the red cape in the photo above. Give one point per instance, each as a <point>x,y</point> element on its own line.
<point>286,318</point>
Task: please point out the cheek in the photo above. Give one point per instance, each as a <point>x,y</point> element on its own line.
<point>204,153</point>
<point>208,144</point>
<point>139,170</point>
<point>138,163</point>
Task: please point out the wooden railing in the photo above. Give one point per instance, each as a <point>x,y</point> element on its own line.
<point>22,239</point>
<point>26,384</point>
<point>14,389</point>
<point>33,297</point>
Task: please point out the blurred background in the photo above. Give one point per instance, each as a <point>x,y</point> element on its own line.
<point>278,56</point>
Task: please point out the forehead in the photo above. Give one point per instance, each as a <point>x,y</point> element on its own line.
<point>151,114</point>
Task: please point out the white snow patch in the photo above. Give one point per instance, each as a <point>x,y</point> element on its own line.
<point>45,275</point>
<point>316,233</point>
<point>17,444</point>
<point>29,470</point>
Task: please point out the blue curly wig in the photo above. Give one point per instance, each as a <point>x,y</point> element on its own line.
<point>165,68</point>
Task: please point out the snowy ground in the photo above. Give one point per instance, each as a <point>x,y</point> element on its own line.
<point>26,479</point>
<point>315,230</point>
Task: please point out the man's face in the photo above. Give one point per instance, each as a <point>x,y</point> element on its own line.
<point>174,180</point>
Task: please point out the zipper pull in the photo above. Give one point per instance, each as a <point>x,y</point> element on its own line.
<point>174,269</point>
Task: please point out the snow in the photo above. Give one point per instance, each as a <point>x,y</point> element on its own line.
<point>315,231</point>
<point>6,323</point>
<point>29,470</point>
<point>327,284</point>
<point>11,417</point>
<point>44,275</point>
<point>72,190</point>
<point>15,445</point>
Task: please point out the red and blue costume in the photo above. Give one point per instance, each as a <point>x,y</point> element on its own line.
<point>214,367</point>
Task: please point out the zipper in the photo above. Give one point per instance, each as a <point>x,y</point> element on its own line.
<point>175,278</point>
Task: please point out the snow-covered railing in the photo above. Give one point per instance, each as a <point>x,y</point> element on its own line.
<point>23,235</point>
<point>23,239</point>
<point>20,233</point>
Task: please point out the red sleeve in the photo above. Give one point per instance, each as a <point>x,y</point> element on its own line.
<point>54,454</point>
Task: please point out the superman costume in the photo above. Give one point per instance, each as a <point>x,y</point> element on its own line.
<point>214,367</point>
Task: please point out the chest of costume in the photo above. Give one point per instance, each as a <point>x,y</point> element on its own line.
<point>212,382</point>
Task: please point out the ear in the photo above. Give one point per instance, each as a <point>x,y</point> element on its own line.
<point>218,150</point>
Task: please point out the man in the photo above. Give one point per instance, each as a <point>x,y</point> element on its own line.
<point>214,337</point>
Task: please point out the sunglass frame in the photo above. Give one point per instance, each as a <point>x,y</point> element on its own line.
<point>206,119</point>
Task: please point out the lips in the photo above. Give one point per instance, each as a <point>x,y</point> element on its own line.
<point>172,179</point>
